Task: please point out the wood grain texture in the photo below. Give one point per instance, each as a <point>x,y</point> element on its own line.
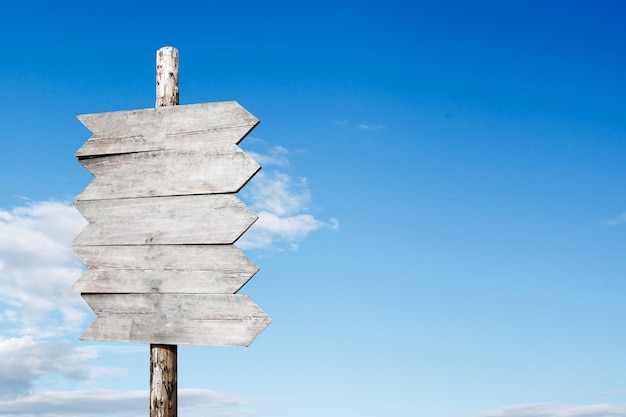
<point>167,78</point>
<point>163,128</point>
<point>163,380</point>
<point>192,219</point>
<point>199,319</point>
<point>165,257</point>
<point>221,169</point>
<point>164,358</point>
<point>163,217</point>
<point>198,269</point>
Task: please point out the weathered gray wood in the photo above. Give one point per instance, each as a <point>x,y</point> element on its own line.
<point>198,269</point>
<point>139,281</point>
<point>163,380</point>
<point>164,358</point>
<point>199,319</point>
<point>227,258</point>
<point>222,169</point>
<point>163,128</point>
<point>167,77</point>
<point>192,219</point>
<point>157,141</point>
<point>162,220</point>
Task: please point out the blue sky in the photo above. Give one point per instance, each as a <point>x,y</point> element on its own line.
<point>442,196</point>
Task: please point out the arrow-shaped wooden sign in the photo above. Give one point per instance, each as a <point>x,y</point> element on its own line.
<point>191,219</point>
<point>221,169</point>
<point>163,217</point>
<point>184,269</point>
<point>163,128</point>
<point>174,319</point>
<point>175,150</point>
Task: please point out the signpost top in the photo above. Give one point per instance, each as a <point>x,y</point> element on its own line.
<point>163,219</point>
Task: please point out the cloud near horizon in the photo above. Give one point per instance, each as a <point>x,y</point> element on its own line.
<point>25,359</point>
<point>557,410</point>
<point>101,402</point>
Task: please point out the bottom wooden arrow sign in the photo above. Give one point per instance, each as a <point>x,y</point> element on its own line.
<point>199,319</point>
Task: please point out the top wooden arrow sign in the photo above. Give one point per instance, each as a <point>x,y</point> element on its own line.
<point>163,218</point>
<point>163,128</point>
<point>178,150</point>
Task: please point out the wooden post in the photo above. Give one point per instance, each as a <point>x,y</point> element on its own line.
<point>167,77</point>
<point>164,358</point>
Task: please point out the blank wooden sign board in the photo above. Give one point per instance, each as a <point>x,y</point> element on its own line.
<point>163,218</point>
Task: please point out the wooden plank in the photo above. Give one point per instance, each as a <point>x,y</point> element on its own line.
<point>137,281</point>
<point>165,257</point>
<point>191,219</point>
<point>206,319</point>
<point>197,269</point>
<point>222,169</point>
<point>162,128</point>
<point>158,141</point>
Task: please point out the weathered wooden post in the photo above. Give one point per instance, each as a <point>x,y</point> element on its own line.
<point>167,77</point>
<point>163,217</point>
<point>164,358</point>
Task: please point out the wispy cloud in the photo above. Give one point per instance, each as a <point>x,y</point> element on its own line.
<point>25,359</point>
<point>558,410</point>
<point>96,402</point>
<point>369,127</point>
<point>364,127</point>
<point>275,156</point>
<point>618,220</point>
<point>607,393</point>
<point>282,202</point>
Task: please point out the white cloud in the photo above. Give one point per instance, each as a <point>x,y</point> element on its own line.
<point>606,393</point>
<point>25,359</point>
<point>369,127</point>
<point>77,403</point>
<point>191,402</point>
<point>270,229</point>
<point>278,193</point>
<point>558,410</point>
<point>275,156</point>
<point>618,220</point>
<point>37,268</point>
<point>202,402</point>
<point>365,127</point>
<point>281,202</point>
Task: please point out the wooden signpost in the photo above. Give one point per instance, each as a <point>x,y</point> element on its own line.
<point>162,267</point>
